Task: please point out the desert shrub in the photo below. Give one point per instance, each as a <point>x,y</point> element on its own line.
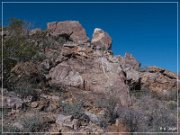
<point>29,79</point>
<point>162,118</point>
<point>23,87</point>
<point>8,64</point>
<point>61,88</point>
<point>24,91</point>
<point>129,117</point>
<point>148,114</point>
<point>39,56</point>
<point>167,96</point>
<point>33,123</point>
<point>45,40</point>
<point>8,128</point>
<point>172,105</point>
<point>139,93</point>
<point>138,121</point>
<point>4,112</point>
<point>109,103</point>
<point>76,109</point>
<point>16,47</point>
<point>170,95</point>
<point>17,26</point>
<point>62,40</point>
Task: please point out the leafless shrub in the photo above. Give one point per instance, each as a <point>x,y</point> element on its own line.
<point>108,103</point>
<point>73,109</point>
<point>149,114</point>
<point>9,128</point>
<point>34,123</point>
<point>76,110</point>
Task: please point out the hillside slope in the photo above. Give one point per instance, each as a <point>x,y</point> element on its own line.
<point>58,80</point>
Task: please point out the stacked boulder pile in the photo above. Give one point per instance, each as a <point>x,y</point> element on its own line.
<point>99,68</point>
<point>76,68</point>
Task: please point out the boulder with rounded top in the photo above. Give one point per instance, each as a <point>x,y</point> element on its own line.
<point>101,40</point>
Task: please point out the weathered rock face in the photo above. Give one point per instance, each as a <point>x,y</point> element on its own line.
<point>73,28</point>
<point>159,80</point>
<point>65,75</point>
<point>91,73</point>
<point>131,66</point>
<point>154,69</point>
<point>101,40</point>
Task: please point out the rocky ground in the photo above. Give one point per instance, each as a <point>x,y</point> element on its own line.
<point>59,81</point>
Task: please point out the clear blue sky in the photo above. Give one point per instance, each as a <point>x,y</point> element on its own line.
<point>148,31</point>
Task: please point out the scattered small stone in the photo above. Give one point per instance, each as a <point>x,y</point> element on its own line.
<point>62,119</point>
<point>18,125</point>
<point>34,104</point>
<point>76,124</point>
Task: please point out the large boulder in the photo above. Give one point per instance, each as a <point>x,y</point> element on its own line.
<point>131,67</point>
<point>101,40</point>
<point>72,28</point>
<point>96,74</point>
<point>67,121</point>
<point>61,119</point>
<point>154,69</point>
<point>130,62</point>
<point>62,74</point>
<point>10,100</point>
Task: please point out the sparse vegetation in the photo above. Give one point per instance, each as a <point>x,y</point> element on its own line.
<point>16,47</point>
<point>76,109</point>
<point>150,114</point>
<point>109,103</point>
<point>33,123</point>
<point>10,129</point>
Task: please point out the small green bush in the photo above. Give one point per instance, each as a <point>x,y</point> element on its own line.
<point>17,47</point>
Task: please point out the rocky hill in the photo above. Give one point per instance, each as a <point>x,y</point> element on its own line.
<point>59,80</point>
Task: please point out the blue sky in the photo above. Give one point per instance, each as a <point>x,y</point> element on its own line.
<point>148,31</point>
